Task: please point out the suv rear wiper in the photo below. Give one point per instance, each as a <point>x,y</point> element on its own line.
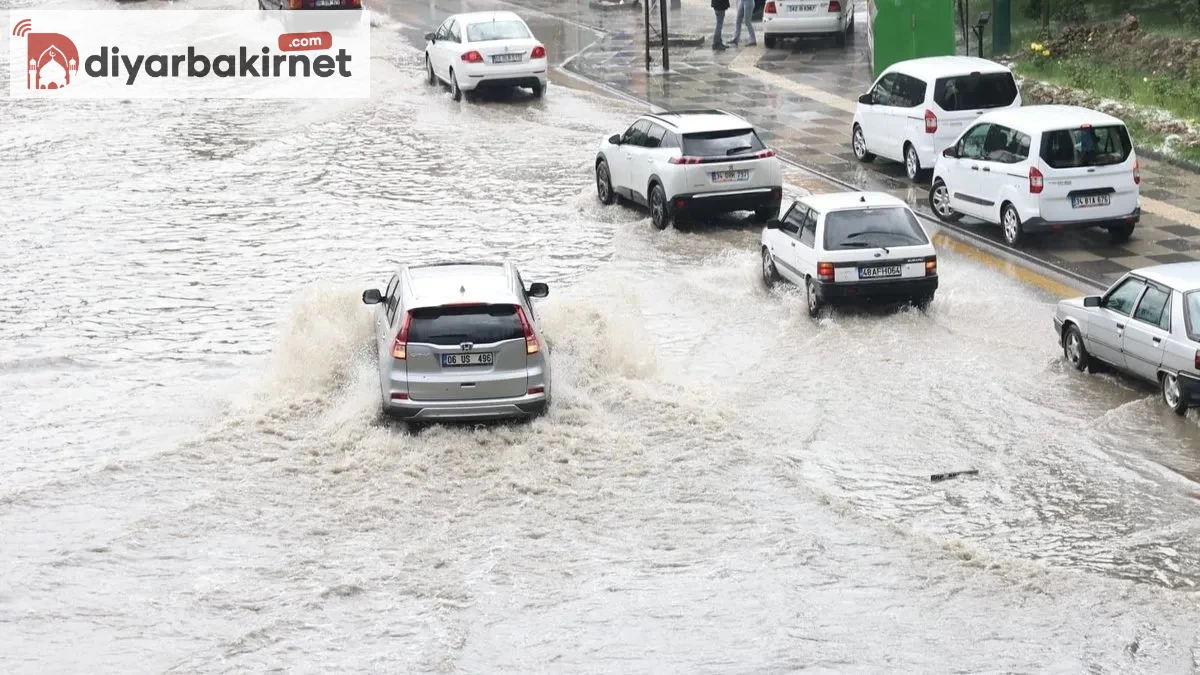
<point>740,148</point>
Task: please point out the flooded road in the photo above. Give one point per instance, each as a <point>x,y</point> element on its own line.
<point>196,477</point>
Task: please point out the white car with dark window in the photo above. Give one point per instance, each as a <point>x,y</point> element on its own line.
<point>688,164</point>
<point>917,108</point>
<point>851,247</point>
<point>480,50</point>
<point>1147,325</point>
<point>807,18</point>
<point>1041,168</point>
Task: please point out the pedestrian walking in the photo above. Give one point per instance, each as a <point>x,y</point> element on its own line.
<point>719,7</point>
<point>745,12</point>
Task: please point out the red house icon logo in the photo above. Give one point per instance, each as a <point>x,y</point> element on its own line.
<point>53,58</point>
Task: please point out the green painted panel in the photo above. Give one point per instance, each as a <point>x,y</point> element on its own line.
<point>910,29</point>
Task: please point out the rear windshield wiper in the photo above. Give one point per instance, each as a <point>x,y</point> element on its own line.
<point>740,148</point>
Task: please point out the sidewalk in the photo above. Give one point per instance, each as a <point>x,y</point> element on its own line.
<point>802,97</point>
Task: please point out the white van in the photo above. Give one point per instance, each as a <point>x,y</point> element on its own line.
<point>1041,168</point>
<point>918,107</point>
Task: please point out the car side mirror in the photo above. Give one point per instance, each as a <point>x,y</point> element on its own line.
<point>615,139</point>
<point>866,99</point>
<point>773,224</point>
<point>372,296</point>
<point>1091,301</point>
<point>950,152</point>
<point>538,290</point>
<point>431,37</point>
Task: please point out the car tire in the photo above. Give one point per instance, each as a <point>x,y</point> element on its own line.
<point>1010,224</point>
<point>539,90</point>
<point>1168,385</point>
<point>912,163</point>
<point>604,188</point>
<point>660,210</point>
<point>1119,234</point>
<point>431,77</point>
<point>814,301</point>
<point>766,213</point>
<point>939,203</point>
<point>455,92</point>
<point>840,39</point>
<point>770,274</point>
<point>858,142</point>
<point>769,41</point>
<point>1073,350</point>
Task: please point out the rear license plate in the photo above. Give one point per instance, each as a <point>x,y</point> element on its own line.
<point>507,58</point>
<point>731,176</point>
<point>329,3</point>
<point>1090,200</point>
<point>801,8</point>
<point>879,272</point>
<point>469,359</point>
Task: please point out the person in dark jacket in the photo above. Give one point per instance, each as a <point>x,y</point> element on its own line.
<point>719,7</point>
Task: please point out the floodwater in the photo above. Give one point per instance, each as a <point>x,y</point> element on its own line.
<point>195,476</point>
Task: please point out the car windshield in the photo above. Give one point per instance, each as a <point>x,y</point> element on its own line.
<point>496,30</point>
<point>1191,302</point>
<point>873,227</point>
<point>455,325</point>
<point>721,143</point>
<point>975,92</point>
<point>1086,146</point>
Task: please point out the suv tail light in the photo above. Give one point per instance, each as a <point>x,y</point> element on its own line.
<point>835,6</point>
<point>531,342</point>
<point>684,160</point>
<point>473,57</point>
<point>400,346</point>
<point>763,154</point>
<point>825,271</point>
<point>295,4</point>
<point>769,9</point>
<point>1137,172</point>
<point>539,52</point>
<point>930,122</point>
<point>931,266</point>
<point>1036,181</point>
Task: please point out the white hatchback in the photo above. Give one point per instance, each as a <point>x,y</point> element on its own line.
<point>485,50</point>
<point>1041,168</point>
<point>806,18</point>
<point>917,108</point>
<point>851,247</point>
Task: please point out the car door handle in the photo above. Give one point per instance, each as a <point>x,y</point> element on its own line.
<point>1156,340</point>
<point>974,168</point>
<point>1121,326</point>
<point>987,168</point>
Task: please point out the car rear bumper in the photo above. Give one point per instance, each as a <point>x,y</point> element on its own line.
<point>1189,387</point>
<point>466,411</point>
<point>1039,224</point>
<point>798,26</point>
<point>750,199</point>
<point>877,291</point>
<point>525,75</point>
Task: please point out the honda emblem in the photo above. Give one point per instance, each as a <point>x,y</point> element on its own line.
<point>467,346</point>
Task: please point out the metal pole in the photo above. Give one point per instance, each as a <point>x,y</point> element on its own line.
<point>662,11</point>
<point>646,11</point>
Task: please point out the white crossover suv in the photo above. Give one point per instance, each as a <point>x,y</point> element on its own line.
<point>917,108</point>
<point>1041,168</point>
<point>851,247</point>
<point>479,50</point>
<point>689,163</point>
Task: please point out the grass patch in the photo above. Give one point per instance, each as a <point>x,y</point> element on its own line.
<point>1180,97</point>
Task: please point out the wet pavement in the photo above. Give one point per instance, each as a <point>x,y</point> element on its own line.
<point>802,94</point>
<point>197,479</point>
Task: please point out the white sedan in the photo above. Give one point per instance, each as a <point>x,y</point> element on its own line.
<point>485,49</point>
<point>851,247</point>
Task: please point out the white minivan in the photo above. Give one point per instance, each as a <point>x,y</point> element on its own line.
<point>919,107</point>
<point>1041,168</point>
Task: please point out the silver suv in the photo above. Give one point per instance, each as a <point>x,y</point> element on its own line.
<point>460,342</point>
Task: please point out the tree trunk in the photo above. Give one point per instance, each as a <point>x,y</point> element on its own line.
<point>1045,13</point>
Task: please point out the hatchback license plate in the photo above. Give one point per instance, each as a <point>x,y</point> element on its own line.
<point>1090,200</point>
<point>468,359</point>
<point>329,3</point>
<point>879,272</point>
<point>507,58</point>
<point>801,8</point>
<point>731,176</point>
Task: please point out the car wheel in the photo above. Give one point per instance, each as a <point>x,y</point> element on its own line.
<point>939,201</point>
<point>1073,349</point>
<point>1119,234</point>
<point>1171,393</point>
<point>912,163</point>
<point>1010,221</point>
<point>430,76</point>
<point>770,275</point>
<point>859,142</point>
<point>539,89</point>
<point>455,92</point>
<point>766,213</point>
<point>604,189</point>
<point>660,214</point>
<point>814,302</point>
<point>769,41</point>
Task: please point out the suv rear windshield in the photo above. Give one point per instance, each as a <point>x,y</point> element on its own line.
<point>496,30</point>
<point>975,92</point>
<point>1089,146</point>
<point>872,228</point>
<point>722,143</point>
<point>455,325</point>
